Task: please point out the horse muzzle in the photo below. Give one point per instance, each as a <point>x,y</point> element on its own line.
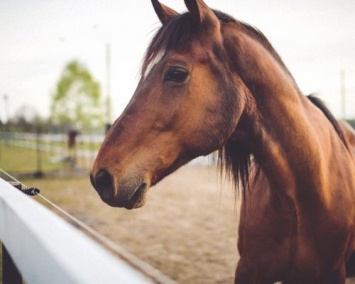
<point>130,192</point>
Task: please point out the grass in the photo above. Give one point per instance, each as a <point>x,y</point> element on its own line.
<point>21,161</point>
<point>15,159</point>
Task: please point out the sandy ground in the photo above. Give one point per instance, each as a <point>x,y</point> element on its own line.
<point>187,230</point>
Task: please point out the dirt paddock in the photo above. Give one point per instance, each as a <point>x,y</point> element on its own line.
<point>187,229</point>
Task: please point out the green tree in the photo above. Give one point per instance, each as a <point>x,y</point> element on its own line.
<point>77,99</point>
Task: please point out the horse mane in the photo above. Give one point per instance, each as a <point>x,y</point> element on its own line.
<point>320,104</point>
<point>235,160</point>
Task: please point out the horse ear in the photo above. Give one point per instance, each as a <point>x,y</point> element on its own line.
<point>163,12</point>
<point>201,12</point>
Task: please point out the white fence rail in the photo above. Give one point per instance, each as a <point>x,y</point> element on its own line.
<point>46,249</point>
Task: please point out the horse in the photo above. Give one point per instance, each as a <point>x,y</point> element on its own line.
<point>210,82</point>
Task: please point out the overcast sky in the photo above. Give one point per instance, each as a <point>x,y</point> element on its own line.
<point>316,39</point>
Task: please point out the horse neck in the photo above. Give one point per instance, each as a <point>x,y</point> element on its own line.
<point>278,129</point>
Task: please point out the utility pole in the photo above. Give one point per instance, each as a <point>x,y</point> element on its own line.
<point>3,127</point>
<point>108,86</point>
<point>6,108</point>
<point>7,120</point>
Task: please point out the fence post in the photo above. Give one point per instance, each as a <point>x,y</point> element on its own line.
<point>10,273</point>
<point>39,145</point>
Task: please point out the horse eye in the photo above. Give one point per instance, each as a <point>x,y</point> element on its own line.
<point>176,74</point>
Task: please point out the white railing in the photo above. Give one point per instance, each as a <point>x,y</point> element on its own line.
<point>47,249</point>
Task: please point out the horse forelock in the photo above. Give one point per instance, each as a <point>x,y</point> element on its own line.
<point>176,34</point>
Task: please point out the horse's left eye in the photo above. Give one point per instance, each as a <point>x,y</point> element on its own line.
<point>176,74</point>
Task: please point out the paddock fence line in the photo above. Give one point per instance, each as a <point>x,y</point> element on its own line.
<point>54,148</point>
<point>46,249</point>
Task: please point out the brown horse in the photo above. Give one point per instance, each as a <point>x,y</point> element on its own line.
<point>211,82</point>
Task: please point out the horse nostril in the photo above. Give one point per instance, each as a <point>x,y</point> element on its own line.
<point>103,184</point>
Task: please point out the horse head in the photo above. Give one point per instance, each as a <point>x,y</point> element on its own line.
<point>183,107</point>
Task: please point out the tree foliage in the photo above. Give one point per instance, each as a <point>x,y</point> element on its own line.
<point>77,99</point>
